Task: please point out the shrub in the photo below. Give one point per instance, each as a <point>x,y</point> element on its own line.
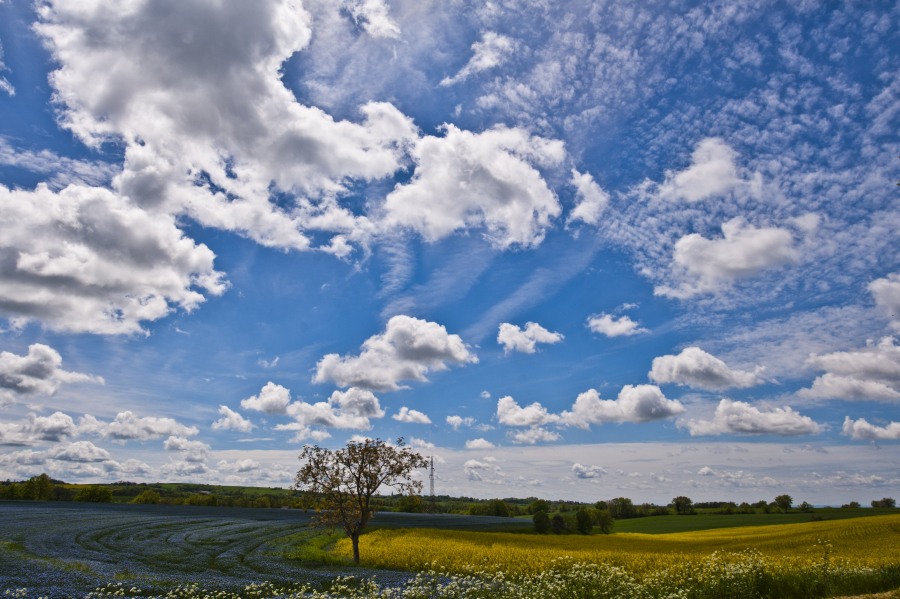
<point>541,523</point>
<point>147,496</point>
<point>94,494</point>
<point>583,522</point>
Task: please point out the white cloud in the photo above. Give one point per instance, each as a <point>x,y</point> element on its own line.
<point>493,50</point>
<point>373,16</point>
<point>5,85</point>
<point>635,403</point>
<point>512,338</point>
<point>411,416</point>
<point>886,292</point>
<point>737,417</point>
<point>190,451</point>
<point>87,260</point>
<point>268,363</point>
<point>408,349</point>
<point>584,471</point>
<point>590,199</point>
<point>80,451</point>
<point>54,428</point>
<point>510,413</point>
<point>706,471</point>
<point>712,173</point>
<point>640,403</point>
<point>417,443</point>
<point>479,444</point>
<point>127,426</point>
<point>184,468</point>
<point>606,324</point>
<point>696,368</point>
<point>467,180</point>
<point>36,372</point>
<point>61,170</point>
<point>350,409</point>
<point>231,420</point>
<point>208,127</point>
<point>485,470</point>
<point>238,466</point>
<point>533,435</point>
<point>862,430</point>
<point>457,421</point>
<point>870,373</point>
<point>272,399</point>
<point>703,265</point>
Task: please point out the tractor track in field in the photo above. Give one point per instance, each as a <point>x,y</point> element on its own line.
<point>66,550</point>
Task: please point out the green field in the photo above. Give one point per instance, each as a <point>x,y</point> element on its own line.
<point>706,521</point>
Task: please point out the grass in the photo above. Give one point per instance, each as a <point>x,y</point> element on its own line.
<point>709,521</point>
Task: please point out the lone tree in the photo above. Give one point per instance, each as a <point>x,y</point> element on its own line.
<point>344,480</point>
<point>683,505</point>
<point>784,502</point>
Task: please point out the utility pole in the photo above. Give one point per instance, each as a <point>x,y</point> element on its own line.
<point>431,483</point>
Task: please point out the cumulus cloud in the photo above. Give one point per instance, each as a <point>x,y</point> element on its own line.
<point>127,426</point>
<point>886,292</point>
<point>208,127</point>
<point>457,421</point>
<point>88,260</point>
<point>184,468</point>
<point>238,466</point>
<point>479,443</point>
<point>411,416</point>
<point>871,373</point>
<point>37,372</point>
<point>467,180</point>
<point>374,17</point>
<point>862,430</point>
<point>80,451</point>
<point>272,399</point>
<point>512,338</point>
<point>696,368</point>
<point>606,324</point>
<point>485,470</point>
<point>190,451</point>
<point>583,471</point>
<point>493,50</point>
<point>231,420</point>
<point>712,173</point>
<point>350,409</point>
<point>54,428</point>
<point>640,403</point>
<point>590,199</point>
<point>408,349</point>
<point>533,435</point>
<point>510,413</point>
<point>703,265</point>
<point>635,403</point>
<point>737,417</point>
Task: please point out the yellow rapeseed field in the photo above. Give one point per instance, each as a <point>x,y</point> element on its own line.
<point>855,543</point>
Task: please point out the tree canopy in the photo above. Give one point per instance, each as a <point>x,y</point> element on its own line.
<point>343,481</point>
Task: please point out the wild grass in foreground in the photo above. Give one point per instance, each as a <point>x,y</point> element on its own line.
<point>741,575</point>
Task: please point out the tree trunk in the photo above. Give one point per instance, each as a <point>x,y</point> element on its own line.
<point>355,540</point>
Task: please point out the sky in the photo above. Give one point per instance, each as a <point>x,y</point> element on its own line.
<point>572,250</point>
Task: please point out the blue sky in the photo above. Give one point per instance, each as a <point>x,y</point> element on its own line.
<point>571,249</point>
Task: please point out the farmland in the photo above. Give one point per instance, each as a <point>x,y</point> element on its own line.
<point>70,549</point>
